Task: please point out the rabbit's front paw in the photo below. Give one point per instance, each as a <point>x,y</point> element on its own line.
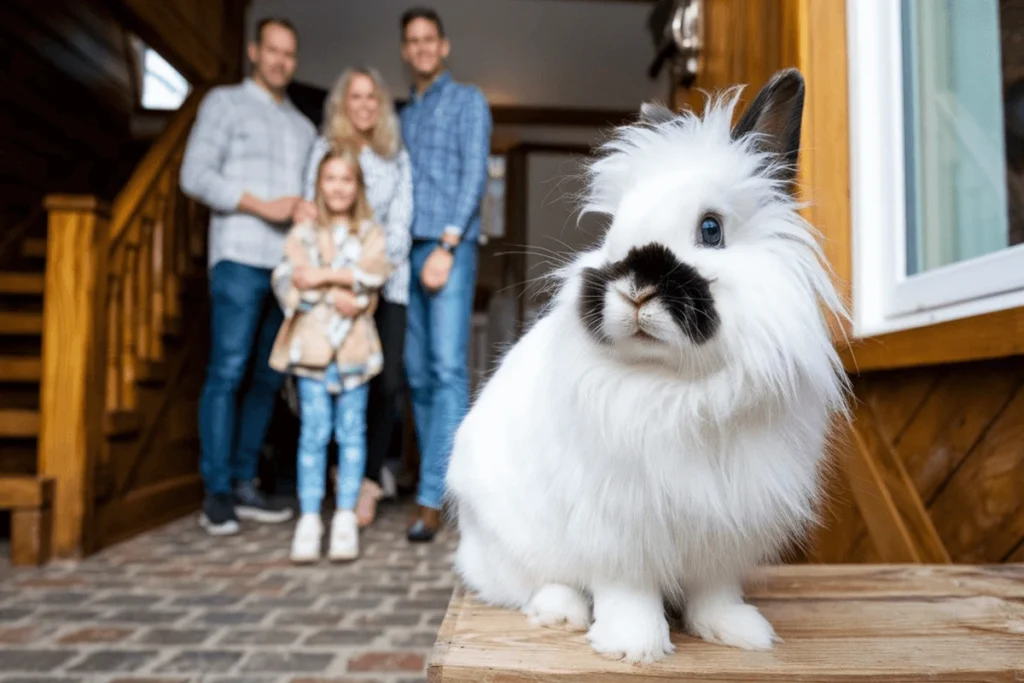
<point>635,637</point>
<point>733,624</point>
<point>558,605</point>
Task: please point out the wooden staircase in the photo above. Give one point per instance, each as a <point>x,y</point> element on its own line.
<point>103,333</point>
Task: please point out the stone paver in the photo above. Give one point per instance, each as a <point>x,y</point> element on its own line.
<point>178,606</point>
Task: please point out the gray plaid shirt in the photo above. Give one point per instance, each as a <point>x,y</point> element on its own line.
<point>245,141</point>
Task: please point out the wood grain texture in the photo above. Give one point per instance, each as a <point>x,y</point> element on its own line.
<point>980,512</point>
<point>201,39</point>
<point>957,434</point>
<point>147,507</point>
<point>839,623</point>
<point>842,525</point>
<point>147,176</point>
<point>824,171</point>
<point>993,335</point>
<point>21,283</point>
<point>896,397</point>
<point>71,391</point>
<point>18,323</point>
<point>19,423</point>
<point>953,418</point>
<point>31,533</point>
<point>900,526</point>
<point>20,369</point>
<point>25,492</point>
<point>745,42</point>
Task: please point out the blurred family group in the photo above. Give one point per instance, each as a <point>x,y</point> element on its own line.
<point>345,260</point>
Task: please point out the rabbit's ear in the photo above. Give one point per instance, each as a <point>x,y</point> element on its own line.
<point>775,116</point>
<point>653,113</point>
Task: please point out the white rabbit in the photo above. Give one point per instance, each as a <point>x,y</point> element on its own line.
<point>662,428</point>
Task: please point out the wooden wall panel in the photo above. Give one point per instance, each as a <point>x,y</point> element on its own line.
<point>745,42</point>
<point>980,512</point>
<point>953,418</point>
<point>202,39</point>
<point>957,432</point>
<point>64,108</point>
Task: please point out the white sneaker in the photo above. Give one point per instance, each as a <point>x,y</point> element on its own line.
<point>309,533</point>
<point>344,537</point>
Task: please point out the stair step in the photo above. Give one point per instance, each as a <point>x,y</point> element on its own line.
<point>19,423</point>
<point>22,283</point>
<point>20,369</point>
<point>34,247</point>
<point>123,423</point>
<point>13,323</point>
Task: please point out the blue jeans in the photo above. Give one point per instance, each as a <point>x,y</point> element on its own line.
<point>436,362</point>
<point>245,319</point>
<point>349,423</point>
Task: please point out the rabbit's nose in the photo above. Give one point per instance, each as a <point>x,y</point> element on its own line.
<point>637,297</point>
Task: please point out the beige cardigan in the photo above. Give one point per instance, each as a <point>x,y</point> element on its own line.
<point>314,334</point>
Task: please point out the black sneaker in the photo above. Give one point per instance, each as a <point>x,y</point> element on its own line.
<point>218,516</point>
<point>250,503</point>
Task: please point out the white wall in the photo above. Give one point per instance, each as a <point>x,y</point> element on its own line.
<point>557,53</point>
<point>564,135</point>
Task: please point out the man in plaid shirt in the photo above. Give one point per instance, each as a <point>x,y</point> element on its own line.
<point>447,128</point>
<point>245,159</point>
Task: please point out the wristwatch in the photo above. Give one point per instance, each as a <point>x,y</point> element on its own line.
<point>450,248</point>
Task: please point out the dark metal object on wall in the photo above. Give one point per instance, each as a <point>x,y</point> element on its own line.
<point>677,28</point>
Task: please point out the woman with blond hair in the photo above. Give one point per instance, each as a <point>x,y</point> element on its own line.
<point>359,108</point>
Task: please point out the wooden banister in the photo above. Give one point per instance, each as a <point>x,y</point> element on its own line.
<point>115,276</point>
<point>74,344</point>
<point>147,174</point>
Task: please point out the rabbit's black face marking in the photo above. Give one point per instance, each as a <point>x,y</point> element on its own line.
<point>650,273</point>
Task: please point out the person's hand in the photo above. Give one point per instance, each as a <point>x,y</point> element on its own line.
<point>304,211</point>
<point>346,304</point>
<point>436,270</point>
<point>306,277</point>
<point>279,210</point>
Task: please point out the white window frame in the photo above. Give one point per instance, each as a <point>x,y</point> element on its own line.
<point>885,299</point>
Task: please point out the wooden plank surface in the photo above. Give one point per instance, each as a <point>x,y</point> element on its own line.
<point>17,323</point>
<point>24,492</point>
<point>19,423</point>
<point>26,369</point>
<point>839,623</point>
<point>980,512</point>
<point>21,283</point>
<point>899,524</point>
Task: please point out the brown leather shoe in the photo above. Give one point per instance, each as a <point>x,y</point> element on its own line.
<point>425,525</point>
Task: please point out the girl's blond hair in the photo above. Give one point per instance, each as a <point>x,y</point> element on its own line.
<point>386,138</point>
<point>347,152</point>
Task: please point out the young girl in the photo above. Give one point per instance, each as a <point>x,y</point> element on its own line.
<point>327,286</point>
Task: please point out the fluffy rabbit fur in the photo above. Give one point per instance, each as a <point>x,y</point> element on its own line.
<point>661,429</point>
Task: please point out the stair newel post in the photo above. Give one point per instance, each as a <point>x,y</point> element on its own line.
<point>73,386</point>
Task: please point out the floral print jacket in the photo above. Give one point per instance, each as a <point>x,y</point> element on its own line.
<point>314,333</point>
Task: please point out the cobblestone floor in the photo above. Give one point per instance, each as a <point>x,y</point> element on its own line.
<point>177,605</point>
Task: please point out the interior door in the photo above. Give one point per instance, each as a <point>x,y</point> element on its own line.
<point>740,42</point>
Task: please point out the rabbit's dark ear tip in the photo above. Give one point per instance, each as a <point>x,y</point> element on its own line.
<point>789,77</point>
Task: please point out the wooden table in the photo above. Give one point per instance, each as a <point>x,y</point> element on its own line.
<point>839,623</point>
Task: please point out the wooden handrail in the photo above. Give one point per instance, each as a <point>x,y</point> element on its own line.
<point>131,199</point>
<point>72,393</point>
<point>114,279</point>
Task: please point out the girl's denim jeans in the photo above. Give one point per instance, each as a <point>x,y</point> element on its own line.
<point>321,412</point>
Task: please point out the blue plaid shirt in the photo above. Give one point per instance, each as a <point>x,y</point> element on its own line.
<point>447,131</point>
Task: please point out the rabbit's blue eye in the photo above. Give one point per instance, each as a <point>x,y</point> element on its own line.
<point>711,234</point>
